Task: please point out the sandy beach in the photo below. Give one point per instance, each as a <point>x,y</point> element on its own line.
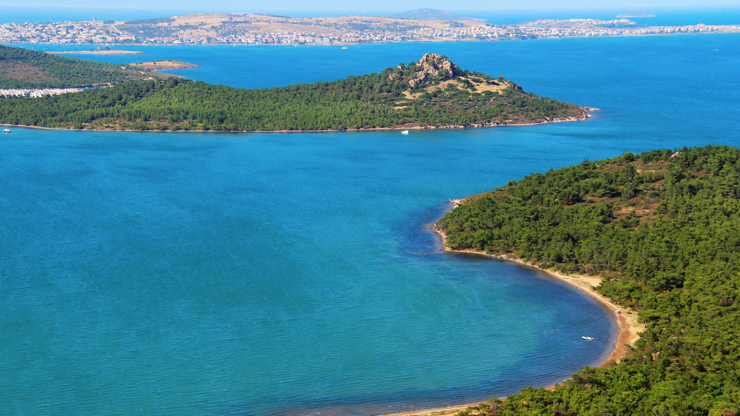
<point>435,412</point>
<point>629,328</point>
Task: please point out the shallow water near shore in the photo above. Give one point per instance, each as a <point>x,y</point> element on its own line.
<point>295,274</point>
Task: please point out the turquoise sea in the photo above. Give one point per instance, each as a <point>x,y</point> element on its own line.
<point>294,274</point>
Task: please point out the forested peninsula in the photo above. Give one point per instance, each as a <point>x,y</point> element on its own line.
<point>430,93</point>
<point>23,68</point>
<point>662,229</point>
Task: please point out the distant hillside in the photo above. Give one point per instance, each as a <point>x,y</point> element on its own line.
<point>22,68</point>
<point>266,29</point>
<point>430,93</point>
<point>432,14</point>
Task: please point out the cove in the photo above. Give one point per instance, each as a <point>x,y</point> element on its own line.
<point>243,273</point>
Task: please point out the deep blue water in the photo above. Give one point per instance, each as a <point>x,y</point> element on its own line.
<point>274,274</point>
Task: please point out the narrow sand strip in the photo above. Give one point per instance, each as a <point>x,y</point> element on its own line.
<point>629,328</point>
<point>436,412</point>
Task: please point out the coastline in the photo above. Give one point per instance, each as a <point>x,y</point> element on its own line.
<point>162,65</point>
<point>587,115</point>
<point>629,328</point>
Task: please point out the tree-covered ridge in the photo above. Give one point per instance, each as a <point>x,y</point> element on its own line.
<point>431,92</point>
<point>663,228</point>
<point>23,68</point>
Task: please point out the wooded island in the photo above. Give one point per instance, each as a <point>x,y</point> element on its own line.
<point>430,93</point>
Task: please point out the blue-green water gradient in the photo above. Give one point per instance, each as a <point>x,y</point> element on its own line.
<point>274,274</point>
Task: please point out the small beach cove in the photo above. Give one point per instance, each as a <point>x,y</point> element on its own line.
<point>629,327</point>
<point>627,319</point>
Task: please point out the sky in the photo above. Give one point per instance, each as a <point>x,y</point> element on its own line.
<point>376,5</point>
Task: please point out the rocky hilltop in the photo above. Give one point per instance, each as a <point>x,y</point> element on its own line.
<point>432,66</point>
<point>429,93</point>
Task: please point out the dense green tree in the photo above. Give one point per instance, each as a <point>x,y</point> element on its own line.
<point>379,100</point>
<point>663,229</point>
<point>23,68</point>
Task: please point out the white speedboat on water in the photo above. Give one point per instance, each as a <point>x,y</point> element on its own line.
<point>404,132</point>
<point>7,130</point>
<point>588,338</point>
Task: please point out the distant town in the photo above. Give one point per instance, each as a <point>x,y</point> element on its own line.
<point>35,92</point>
<point>253,29</point>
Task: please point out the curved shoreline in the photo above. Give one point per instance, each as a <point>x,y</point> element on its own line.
<point>629,329</point>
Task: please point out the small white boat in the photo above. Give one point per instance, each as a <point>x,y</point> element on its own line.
<point>588,338</point>
<point>404,132</point>
<point>344,47</point>
<point>7,130</point>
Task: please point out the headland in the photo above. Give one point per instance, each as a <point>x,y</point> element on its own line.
<point>431,93</point>
<point>163,65</point>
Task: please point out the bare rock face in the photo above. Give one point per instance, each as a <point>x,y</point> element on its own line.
<point>430,66</point>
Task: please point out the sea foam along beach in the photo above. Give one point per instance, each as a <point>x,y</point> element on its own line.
<point>629,328</point>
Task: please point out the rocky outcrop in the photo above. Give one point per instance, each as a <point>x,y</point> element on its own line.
<point>431,66</point>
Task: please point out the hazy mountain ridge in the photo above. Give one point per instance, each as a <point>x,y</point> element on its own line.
<point>432,14</point>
